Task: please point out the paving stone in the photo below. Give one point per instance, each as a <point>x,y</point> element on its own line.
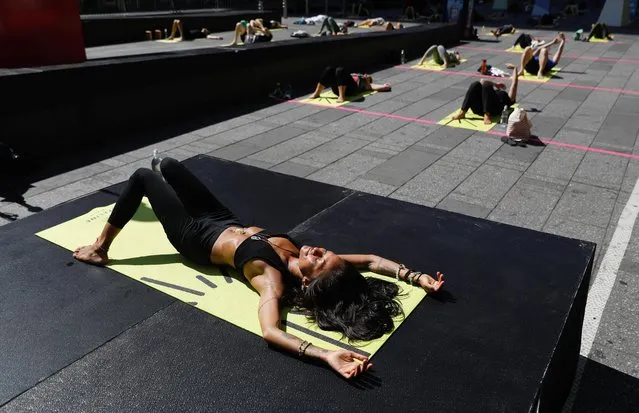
<point>515,157</point>
<point>453,204</point>
<point>433,184</point>
<point>291,167</point>
<point>586,204</point>
<point>475,150</point>
<point>486,186</point>
<point>601,170</point>
<point>371,187</point>
<point>290,148</point>
<point>380,127</point>
<point>443,139</point>
<point>237,134</point>
<point>398,170</point>
<point>333,150</point>
<point>346,169</point>
<point>255,162</point>
<point>223,126</point>
<point>558,164</point>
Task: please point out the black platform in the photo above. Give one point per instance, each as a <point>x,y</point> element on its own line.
<point>54,108</point>
<point>505,332</point>
<point>114,28</point>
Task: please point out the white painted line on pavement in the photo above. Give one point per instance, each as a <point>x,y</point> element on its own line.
<point>603,284</point>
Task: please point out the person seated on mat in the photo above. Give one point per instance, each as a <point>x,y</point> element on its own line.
<point>599,31</point>
<point>441,56</point>
<point>178,28</point>
<point>330,26</point>
<point>344,84</point>
<point>326,285</point>
<point>524,40</point>
<point>488,99</point>
<point>505,29</point>
<point>536,61</point>
<point>251,32</point>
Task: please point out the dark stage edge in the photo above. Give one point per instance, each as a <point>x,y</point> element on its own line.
<point>56,108</point>
<point>105,29</point>
<point>506,330</point>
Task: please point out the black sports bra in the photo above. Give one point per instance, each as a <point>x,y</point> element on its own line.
<point>257,247</point>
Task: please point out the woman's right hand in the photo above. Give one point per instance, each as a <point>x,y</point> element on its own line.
<point>348,363</point>
<point>430,284</point>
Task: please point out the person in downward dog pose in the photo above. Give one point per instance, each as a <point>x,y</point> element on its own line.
<point>328,286</point>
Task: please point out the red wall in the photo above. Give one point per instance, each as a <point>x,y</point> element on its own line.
<point>40,33</point>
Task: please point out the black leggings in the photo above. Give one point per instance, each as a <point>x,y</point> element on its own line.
<point>337,76</point>
<point>508,28</point>
<point>330,25</point>
<point>524,40</point>
<point>482,99</point>
<point>190,214</point>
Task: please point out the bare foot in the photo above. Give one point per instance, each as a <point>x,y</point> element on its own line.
<point>340,100</point>
<point>91,254</point>
<point>487,120</point>
<point>459,116</point>
<point>511,66</point>
<point>540,76</point>
<point>561,37</point>
<point>430,284</point>
<point>314,96</point>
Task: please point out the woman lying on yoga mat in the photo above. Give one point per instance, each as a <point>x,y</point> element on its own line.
<point>178,28</point>
<point>505,29</point>
<point>344,84</point>
<point>327,285</point>
<point>524,40</point>
<point>535,60</point>
<point>251,32</point>
<point>488,99</point>
<point>599,31</point>
<point>441,56</point>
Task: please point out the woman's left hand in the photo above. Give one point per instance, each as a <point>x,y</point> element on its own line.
<point>348,363</point>
<point>500,85</point>
<point>430,284</point>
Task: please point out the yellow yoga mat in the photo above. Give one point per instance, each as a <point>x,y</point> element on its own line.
<point>472,121</point>
<point>595,40</point>
<point>328,98</point>
<point>515,49</point>
<point>431,65</point>
<point>143,253</point>
<point>176,40</point>
<point>533,78</point>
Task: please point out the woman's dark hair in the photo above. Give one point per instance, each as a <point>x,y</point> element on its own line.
<point>344,300</point>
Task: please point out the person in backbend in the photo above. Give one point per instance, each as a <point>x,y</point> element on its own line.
<point>441,56</point>
<point>505,29</point>
<point>486,98</point>
<point>346,84</point>
<point>535,60</point>
<point>599,31</point>
<point>251,32</point>
<point>328,286</point>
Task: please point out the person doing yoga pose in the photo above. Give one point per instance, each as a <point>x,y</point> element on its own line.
<point>535,60</point>
<point>441,56</point>
<point>326,285</point>
<point>488,99</point>
<point>331,27</point>
<point>178,28</point>
<point>251,32</point>
<point>599,31</point>
<point>344,84</point>
<point>506,29</point>
<point>524,40</point>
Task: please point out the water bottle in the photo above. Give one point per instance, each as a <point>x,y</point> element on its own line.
<point>403,57</point>
<point>155,162</point>
<point>166,33</point>
<point>504,115</point>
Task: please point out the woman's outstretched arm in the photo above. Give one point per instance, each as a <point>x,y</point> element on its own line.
<point>345,362</point>
<point>384,266</point>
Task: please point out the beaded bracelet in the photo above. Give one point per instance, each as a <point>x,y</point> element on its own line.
<point>299,350</point>
<point>401,267</point>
